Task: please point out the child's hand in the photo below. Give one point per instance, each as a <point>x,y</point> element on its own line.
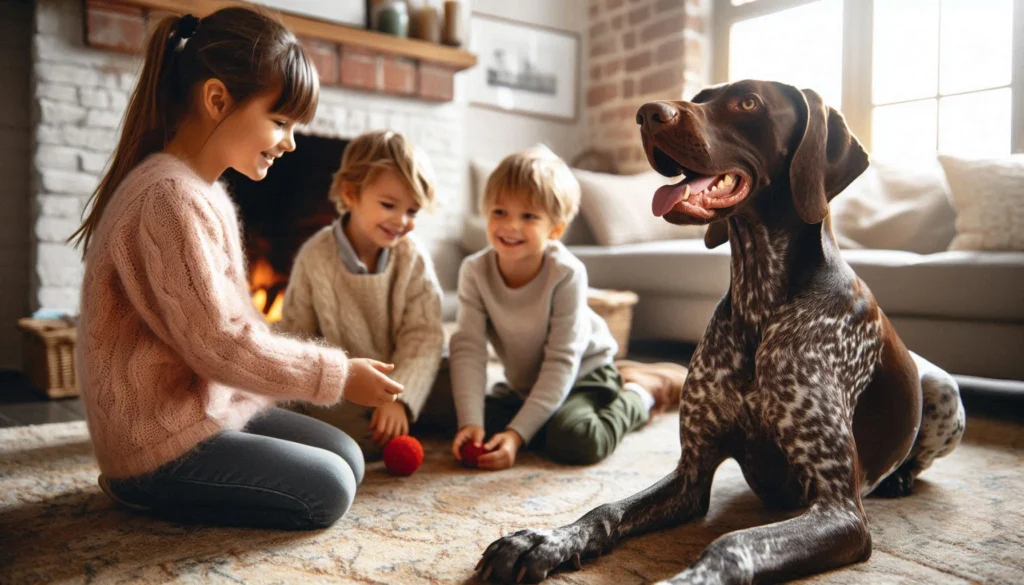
<point>368,384</point>
<point>467,434</point>
<point>388,422</point>
<point>503,448</point>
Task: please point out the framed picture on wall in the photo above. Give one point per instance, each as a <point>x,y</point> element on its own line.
<point>524,68</point>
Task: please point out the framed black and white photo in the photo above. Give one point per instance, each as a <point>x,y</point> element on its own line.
<point>524,68</point>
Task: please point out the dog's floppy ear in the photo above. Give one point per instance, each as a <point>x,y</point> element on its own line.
<point>716,234</point>
<point>707,93</point>
<point>827,159</point>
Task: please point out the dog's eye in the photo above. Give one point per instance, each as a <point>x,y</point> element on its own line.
<point>748,105</point>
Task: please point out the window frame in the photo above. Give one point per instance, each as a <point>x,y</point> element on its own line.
<point>858,35</point>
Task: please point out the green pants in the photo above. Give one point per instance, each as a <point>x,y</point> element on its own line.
<point>587,428</point>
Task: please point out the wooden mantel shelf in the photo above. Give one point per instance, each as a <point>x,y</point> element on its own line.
<point>456,59</point>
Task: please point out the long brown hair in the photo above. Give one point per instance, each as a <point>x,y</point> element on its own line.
<point>247,49</point>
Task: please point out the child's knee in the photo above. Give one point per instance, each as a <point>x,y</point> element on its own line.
<point>577,442</point>
<point>335,493</point>
<point>349,450</point>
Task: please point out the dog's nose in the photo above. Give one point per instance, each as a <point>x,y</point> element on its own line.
<point>655,114</point>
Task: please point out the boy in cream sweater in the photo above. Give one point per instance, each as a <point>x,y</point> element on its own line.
<point>366,286</point>
<point>527,295</point>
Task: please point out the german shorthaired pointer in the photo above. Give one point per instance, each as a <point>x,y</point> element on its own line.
<point>799,376</point>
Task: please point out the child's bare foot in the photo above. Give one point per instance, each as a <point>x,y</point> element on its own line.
<point>664,380</point>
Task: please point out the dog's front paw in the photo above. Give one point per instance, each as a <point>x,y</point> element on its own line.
<point>528,555</point>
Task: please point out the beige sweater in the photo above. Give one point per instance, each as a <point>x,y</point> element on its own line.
<point>393,316</point>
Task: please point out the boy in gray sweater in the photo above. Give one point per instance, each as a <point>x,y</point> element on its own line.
<point>527,295</point>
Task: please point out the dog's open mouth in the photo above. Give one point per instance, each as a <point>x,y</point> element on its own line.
<point>697,195</point>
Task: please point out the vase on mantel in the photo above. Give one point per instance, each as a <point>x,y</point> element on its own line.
<point>391,17</point>
<point>452,32</point>
<point>425,23</point>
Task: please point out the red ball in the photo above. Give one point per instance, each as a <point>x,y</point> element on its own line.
<point>470,453</point>
<point>403,455</point>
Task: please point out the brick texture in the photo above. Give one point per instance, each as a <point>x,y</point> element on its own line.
<point>115,26</point>
<point>359,68</point>
<point>325,56</point>
<point>111,25</point>
<point>436,83</point>
<point>398,76</point>
<point>640,51</point>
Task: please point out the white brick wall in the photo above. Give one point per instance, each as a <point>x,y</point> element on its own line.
<point>15,158</point>
<point>75,94</point>
<point>79,95</point>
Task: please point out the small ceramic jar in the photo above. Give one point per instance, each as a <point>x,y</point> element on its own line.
<point>392,17</point>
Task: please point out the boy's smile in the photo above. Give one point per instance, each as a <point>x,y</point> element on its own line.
<point>519,232</point>
<point>380,213</point>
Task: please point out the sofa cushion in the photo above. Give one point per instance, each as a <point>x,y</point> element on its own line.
<point>896,207</point>
<point>684,267</point>
<point>954,285</point>
<point>989,198</point>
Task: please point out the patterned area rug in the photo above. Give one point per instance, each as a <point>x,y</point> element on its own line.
<point>964,524</point>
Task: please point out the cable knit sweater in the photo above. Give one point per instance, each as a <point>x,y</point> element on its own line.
<point>171,350</point>
<point>393,316</point>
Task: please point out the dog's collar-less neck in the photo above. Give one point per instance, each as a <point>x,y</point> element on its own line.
<point>763,273</point>
<point>758,279</point>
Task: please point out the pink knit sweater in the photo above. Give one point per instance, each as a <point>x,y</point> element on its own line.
<point>168,335</point>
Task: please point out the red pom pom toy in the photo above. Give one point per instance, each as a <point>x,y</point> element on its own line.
<point>470,453</point>
<point>403,455</point>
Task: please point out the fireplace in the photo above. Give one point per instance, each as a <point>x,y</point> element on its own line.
<point>279,213</point>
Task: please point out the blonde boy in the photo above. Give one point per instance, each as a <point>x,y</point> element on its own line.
<point>365,285</point>
<point>527,295</point>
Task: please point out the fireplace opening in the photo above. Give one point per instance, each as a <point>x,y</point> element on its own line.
<point>281,212</point>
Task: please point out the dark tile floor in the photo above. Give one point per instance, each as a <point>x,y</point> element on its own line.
<point>21,405</point>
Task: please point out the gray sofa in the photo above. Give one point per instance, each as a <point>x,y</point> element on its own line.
<point>963,310</point>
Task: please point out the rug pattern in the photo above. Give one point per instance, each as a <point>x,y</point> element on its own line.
<point>964,523</point>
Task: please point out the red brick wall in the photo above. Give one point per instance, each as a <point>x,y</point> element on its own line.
<point>116,26</point>
<point>640,50</point>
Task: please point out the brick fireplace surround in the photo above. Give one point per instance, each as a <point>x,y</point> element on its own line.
<point>635,51</point>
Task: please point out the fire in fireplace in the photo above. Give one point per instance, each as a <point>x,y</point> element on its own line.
<point>281,212</point>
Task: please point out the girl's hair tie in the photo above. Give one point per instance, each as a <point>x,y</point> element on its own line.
<point>187,26</point>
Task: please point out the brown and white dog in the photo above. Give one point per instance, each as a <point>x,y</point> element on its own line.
<point>799,376</point>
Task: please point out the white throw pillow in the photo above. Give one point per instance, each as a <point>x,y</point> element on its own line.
<point>479,171</point>
<point>988,195</point>
<point>618,209</point>
<point>895,207</point>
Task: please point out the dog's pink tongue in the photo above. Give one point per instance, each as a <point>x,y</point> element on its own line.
<point>666,197</point>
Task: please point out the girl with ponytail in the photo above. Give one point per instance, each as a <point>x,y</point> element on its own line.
<point>180,375</point>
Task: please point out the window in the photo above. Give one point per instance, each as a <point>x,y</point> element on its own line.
<point>912,77</point>
<point>774,46</point>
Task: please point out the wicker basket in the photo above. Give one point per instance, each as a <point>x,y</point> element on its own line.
<point>616,308</point>
<point>49,356</point>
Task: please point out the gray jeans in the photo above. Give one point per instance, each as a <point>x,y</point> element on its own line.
<point>285,470</point>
